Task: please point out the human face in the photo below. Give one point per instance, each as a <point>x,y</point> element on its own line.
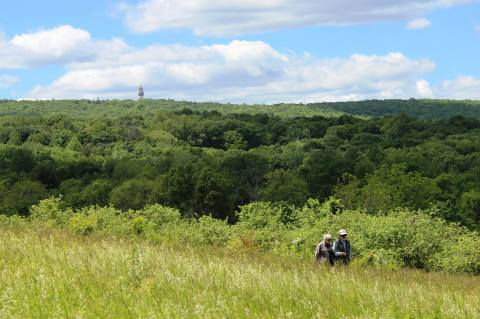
<point>343,237</point>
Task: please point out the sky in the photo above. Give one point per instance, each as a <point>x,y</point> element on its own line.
<point>240,51</point>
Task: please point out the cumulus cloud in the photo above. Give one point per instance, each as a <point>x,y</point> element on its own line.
<point>241,71</point>
<point>60,45</point>
<point>54,43</point>
<point>423,89</point>
<point>233,17</point>
<point>421,23</point>
<point>7,81</point>
<point>463,87</point>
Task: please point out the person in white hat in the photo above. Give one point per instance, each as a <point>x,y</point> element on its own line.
<point>324,251</point>
<point>342,248</point>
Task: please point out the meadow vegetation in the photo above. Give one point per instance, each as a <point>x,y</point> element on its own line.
<point>54,273</point>
<point>400,238</point>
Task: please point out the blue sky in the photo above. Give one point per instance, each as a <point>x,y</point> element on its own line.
<point>240,50</point>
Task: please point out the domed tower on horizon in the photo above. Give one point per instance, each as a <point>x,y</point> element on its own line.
<point>141,93</point>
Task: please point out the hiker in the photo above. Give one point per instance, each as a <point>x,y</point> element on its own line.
<point>342,248</point>
<point>324,251</point>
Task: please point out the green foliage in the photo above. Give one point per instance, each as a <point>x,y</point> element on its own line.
<point>83,224</point>
<point>160,216</point>
<point>139,225</point>
<point>234,140</point>
<point>393,187</point>
<point>470,207</point>
<point>262,215</point>
<point>210,231</point>
<point>381,258</point>
<point>133,194</point>
<point>21,196</point>
<point>284,186</point>
<point>400,238</point>
<point>50,210</point>
<point>210,159</point>
<point>460,254</point>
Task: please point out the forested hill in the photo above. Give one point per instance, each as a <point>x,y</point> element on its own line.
<point>422,109</point>
<point>132,154</point>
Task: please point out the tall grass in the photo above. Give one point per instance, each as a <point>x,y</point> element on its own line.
<point>52,273</point>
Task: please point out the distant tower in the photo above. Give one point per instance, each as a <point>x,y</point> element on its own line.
<point>141,94</point>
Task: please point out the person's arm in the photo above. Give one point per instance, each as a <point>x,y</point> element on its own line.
<point>317,251</point>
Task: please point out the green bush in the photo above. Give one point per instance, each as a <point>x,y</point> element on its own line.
<point>379,258</point>
<point>265,215</point>
<point>101,219</point>
<point>313,211</point>
<point>160,215</point>
<point>460,254</point>
<point>211,231</point>
<point>139,224</point>
<point>49,211</point>
<point>83,224</point>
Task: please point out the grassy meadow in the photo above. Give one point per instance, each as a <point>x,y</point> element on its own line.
<point>53,273</point>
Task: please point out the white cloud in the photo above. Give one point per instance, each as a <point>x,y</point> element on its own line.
<point>7,81</point>
<point>421,23</point>
<point>233,17</point>
<point>241,71</point>
<point>463,87</point>
<point>60,45</point>
<point>54,43</point>
<point>423,89</point>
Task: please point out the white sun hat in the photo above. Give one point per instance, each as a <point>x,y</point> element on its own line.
<point>342,232</point>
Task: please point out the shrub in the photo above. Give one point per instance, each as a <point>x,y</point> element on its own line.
<point>460,254</point>
<point>110,219</point>
<point>380,258</point>
<point>83,223</point>
<point>264,214</point>
<point>208,230</point>
<point>139,224</point>
<point>313,210</point>
<point>49,211</point>
<point>160,215</point>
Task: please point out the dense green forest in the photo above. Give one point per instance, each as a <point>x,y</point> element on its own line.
<point>421,109</point>
<point>209,159</point>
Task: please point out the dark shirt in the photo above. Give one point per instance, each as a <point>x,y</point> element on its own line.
<point>342,246</point>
